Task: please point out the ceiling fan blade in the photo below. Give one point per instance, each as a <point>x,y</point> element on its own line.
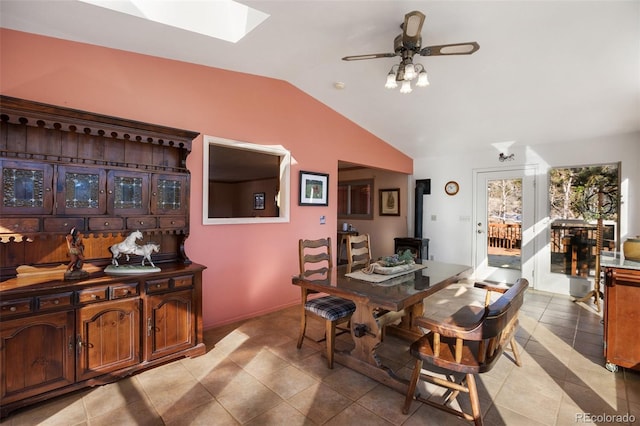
<point>450,49</point>
<point>371,56</point>
<point>411,29</point>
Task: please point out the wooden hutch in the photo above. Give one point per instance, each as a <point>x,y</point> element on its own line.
<point>106,177</point>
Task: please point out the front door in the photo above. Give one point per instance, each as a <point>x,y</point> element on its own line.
<point>504,221</point>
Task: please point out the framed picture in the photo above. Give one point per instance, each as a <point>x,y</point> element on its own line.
<point>314,189</point>
<point>390,202</point>
<point>258,201</point>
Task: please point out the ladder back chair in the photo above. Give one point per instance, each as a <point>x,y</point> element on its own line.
<point>467,343</point>
<point>315,258</point>
<point>358,251</point>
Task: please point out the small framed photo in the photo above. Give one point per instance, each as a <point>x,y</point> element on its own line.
<point>314,189</point>
<point>258,201</point>
<point>390,202</point>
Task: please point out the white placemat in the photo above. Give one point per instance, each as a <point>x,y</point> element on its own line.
<point>377,278</point>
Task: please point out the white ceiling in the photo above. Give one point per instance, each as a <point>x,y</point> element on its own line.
<point>546,71</point>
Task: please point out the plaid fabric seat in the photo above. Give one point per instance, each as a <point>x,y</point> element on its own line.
<point>330,307</point>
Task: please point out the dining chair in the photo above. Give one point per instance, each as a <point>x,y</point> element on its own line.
<point>456,349</point>
<point>315,258</point>
<point>358,251</point>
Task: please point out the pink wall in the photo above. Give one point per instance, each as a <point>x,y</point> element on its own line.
<point>249,266</point>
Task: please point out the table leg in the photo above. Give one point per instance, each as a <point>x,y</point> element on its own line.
<point>366,334</point>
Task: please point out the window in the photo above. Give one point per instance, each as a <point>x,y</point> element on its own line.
<point>578,198</point>
<point>234,171</point>
<point>355,199</point>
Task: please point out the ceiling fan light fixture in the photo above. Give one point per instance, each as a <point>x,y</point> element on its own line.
<point>406,87</point>
<point>391,80</point>
<point>409,72</point>
<point>423,79</point>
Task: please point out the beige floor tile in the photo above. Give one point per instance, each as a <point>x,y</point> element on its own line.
<point>387,403</point>
<point>319,402</point>
<point>282,414</point>
<point>171,402</point>
<point>102,399</point>
<point>288,381</point>
<point>137,413</point>
<point>356,414</point>
<point>246,398</point>
<point>519,398</point>
<point>350,383</point>
<point>62,411</point>
<point>207,414</point>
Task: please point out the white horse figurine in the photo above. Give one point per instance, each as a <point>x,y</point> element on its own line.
<point>126,247</point>
<point>146,250</point>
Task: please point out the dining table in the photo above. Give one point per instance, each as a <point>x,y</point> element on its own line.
<point>391,301</point>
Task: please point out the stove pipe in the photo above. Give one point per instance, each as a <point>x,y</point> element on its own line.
<point>423,186</point>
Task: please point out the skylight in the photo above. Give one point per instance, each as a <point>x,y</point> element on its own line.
<point>223,19</point>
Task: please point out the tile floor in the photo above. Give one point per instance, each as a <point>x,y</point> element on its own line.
<point>255,376</point>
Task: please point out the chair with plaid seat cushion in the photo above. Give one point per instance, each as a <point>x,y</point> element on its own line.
<point>315,258</point>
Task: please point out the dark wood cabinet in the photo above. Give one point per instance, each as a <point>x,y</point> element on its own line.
<point>106,177</point>
<point>622,318</point>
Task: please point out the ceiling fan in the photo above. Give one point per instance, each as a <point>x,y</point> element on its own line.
<point>407,45</point>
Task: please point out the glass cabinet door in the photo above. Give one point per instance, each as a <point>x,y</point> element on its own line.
<point>81,190</point>
<point>26,187</point>
<point>127,193</point>
<point>168,194</point>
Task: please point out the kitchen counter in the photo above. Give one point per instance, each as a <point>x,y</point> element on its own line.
<point>617,260</point>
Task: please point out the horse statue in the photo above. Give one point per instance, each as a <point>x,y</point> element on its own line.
<point>146,250</point>
<point>126,247</point>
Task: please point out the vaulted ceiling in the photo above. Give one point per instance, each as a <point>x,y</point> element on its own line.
<point>546,71</point>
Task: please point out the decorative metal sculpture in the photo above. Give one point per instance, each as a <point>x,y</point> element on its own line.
<point>129,247</point>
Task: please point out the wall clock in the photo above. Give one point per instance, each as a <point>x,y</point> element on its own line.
<point>451,187</point>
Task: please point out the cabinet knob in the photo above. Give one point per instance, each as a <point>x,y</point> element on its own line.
<point>94,296</point>
<point>141,222</point>
<point>13,309</point>
<point>154,194</point>
<point>65,224</point>
<point>110,192</point>
<point>173,222</point>
<point>56,302</point>
<point>106,224</point>
<point>48,189</point>
<point>157,285</point>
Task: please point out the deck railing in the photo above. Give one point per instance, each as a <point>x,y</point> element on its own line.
<point>505,235</point>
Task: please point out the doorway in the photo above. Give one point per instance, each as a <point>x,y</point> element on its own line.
<point>504,221</point>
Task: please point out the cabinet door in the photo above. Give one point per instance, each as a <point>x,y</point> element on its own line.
<point>81,190</point>
<point>108,337</point>
<point>622,318</point>
<point>170,323</point>
<point>127,193</point>
<point>36,355</point>
<point>168,194</point>
<point>26,187</point>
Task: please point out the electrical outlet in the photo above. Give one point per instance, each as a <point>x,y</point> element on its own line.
<point>323,220</point>
<point>434,217</point>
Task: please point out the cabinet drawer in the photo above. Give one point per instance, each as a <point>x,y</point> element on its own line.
<point>20,225</point>
<point>105,223</point>
<point>183,281</point>
<point>141,222</point>
<point>54,301</point>
<point>120,291</point>
<point>172,222</point>
<point>63,224</point>
<point>15,307</point>
<point>156,286</point>
<point>96,294</point>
